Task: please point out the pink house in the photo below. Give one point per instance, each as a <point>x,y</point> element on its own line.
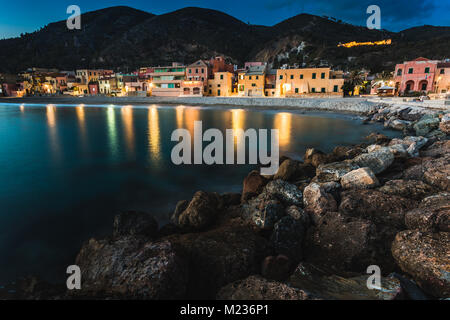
<point>93,88</point>
<point>416,75</point>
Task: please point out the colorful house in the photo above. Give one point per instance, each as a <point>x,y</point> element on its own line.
<point>251,82</point>
<point>192,87</point>
<point>442,81</point>
<point>167,80</point>
<point>416,75</point>
<point>296,82</point>
<point>198,71</point>
<point>221,84</point>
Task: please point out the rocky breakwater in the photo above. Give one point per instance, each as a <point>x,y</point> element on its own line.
<point>309,232</point>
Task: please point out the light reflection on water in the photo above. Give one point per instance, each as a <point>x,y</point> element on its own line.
<point>53,197</point>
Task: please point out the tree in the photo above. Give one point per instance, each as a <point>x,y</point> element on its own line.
<point>356,78</point>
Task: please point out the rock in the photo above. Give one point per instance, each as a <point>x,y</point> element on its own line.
<point>258,288</point>
<point>129,267</point>
<point>376,206</point>
<point>220,256</point>
<point>334,171</point>
<point>253,185</point>
<point>378,138</point>
<point>410,115</point>
<point>343,244</point>
<point>322,286</point>
<point>276,268</point>
<point>179,208</point>
<point>344,152</point>
<point>378,160</point>
<point>230,199</point>
<point>317,201</point>
<point>361,178</point>
<point>426,257</point>
<point>437,149</point>
<point>398,124</point>
<point>135,223</point>
<point>201,211</point>
<point>437,173</point>
<point>315,157</point>
<point>444,125</point>
<point>433,214</point>
<point>411,289</point>
<point>412,144</point>
<point>426,124</point>
<point>287,238</point>
<point>287,170</point>
<point>287,193</point>
<point>263,211</point>
<point>413,189</point>
<point>399,151</point>
<point>299,214</point>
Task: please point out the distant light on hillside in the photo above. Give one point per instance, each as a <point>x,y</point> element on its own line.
<point>356,44</point>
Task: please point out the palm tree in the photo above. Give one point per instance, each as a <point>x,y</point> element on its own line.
<point>356,78</point>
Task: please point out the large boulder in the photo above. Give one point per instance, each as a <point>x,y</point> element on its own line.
<point>343,244</point>
<point>322,286</point>
<point>426,124</point>
<point>135,223</point>
<point>411,144</point>
<point>433,214</point>
<point>287,170</point>
<point>263,211</point>
<point>257,288</point>
<point>413,189</point>
<point>378,160</point>
<point>334,171</point>
<point>129,267</point>
<point>346,152</point>
<point>287,237</point>
<point>437,173</point>
<point>426,257</point>
<point>316,157</point>
<point>317,201</point>
<point>376,206</point>
<point>437,149</point>
<point>362,178</point>
<point>201,211</point>
<point>299,214</point>
<point>287,193</point>
<point>220,256</point>
<point>253,185</point>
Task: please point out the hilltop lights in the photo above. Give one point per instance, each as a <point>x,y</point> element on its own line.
<point>357,44</point>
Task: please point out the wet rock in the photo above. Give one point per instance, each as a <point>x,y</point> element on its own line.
<point>343,244</point>
<point>412,144</point>
<point>135,223</point>
<point>287,170</point>
<point>426,257</point>
<point>263,211</point>
<point>322,286</point>
<point>444,125</point>
<point>179,208</point>
<point>378,138</point>
<point>397,124</point>
<point>361,178</point>
<point>376,206</point>
<point>378,160</point>
<point>426,124</point>
<point>258,288</point>
<point>129,267</point>
<point>317,201</point>
<point>345,152</point>
<point>287,238</point>
<point>220,256</point>
<point>287,193</point>
<point>253,185</point>
<point>276,268</point>
<point>201,211</point>
<point>316,157</point>
<point>413,189</point>
<point>433,214</point>
<point>334,171</point>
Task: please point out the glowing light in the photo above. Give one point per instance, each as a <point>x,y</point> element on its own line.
<point>112,133</point>
<point>154,139</point>
<point>357,44</point>
<point>127,117</point>
<point>283,122</point>
<point>237,122</point>
<point>179,116</point>
<point>22,108</point>
<point>51,115</point>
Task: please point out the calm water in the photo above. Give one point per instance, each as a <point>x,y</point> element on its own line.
<point>65,171</point>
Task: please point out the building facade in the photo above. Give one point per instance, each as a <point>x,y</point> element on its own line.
<point>417,75</point>
<point>296,82</point>
<point>221,84</point>
<point>442,81</point>
<point>167,80</point>
<point>251,82</point>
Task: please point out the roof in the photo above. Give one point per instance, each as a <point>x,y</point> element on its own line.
<point>256,70</point>
<point>197,64</point>
<point>421,59</point>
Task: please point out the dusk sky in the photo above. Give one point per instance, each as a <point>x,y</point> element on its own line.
<point>29,15</point>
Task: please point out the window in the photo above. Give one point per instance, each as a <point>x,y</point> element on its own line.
<point>322,76</point>
<point>410,70</point>
<point>427,70</point>
<point>249,77</point>
<point>210,91</point>
<point>203,70</point>
<point>190,70</point>
<point>442,71</point>
<point>322,90</point>
<point>253,84</point>
<point>292,76</point>
<point>335,88</point>
<point>399,72</point>
<point>296,90</point>
<point>424,86</point>
<point>314,75</point>
<point>218,92</point>
<point>221,77</point>
<point>301,76</point>
<point>218,86</point>
<point>281,76</point>
<point>313,89</point>
<point>257,77</point>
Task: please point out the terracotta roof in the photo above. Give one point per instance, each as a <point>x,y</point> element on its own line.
<point>421,59</point>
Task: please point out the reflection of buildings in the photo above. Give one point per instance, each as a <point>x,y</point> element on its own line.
<point>154,139</point>
<point>283,122</point>
<point>127,118</point>
<point>112,132</point>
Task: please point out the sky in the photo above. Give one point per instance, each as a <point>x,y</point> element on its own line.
<point>18,17</point>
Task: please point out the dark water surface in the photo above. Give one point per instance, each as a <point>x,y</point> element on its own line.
<point>65,171</point>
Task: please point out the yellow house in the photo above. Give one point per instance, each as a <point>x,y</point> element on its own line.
<point>221,85</point>
<point>251,82</point>
<point>296,82</point>
<point>443,77</point>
